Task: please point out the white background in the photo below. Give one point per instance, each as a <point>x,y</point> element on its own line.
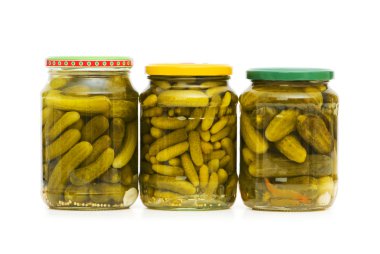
<point>341,35</point>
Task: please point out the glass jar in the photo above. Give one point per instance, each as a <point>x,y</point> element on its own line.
<point>89,134</point>
<point>188,138</point>
<point>289,140</point>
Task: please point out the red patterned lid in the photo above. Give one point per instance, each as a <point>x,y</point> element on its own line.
<point>89,62</point>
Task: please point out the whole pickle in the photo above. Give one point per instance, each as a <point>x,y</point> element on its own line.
<point>64,122</point>
<point>62,144</point>
<point>292,148</point>
<point>189,169</point>
<point>195,148</point>
<point>252,138</point>
<point>262,117</point>
<point>168,123</point>
<point>282,124</point>
<point>87,174</point>
<point>173,184</point>
<point>59,82</point>
<point>107,192</point>
<point>61,173</point>
<point>117,132</point>
<point>99,146</point>
<point>168,140</point>
<point>172,151</point>
<point>248,100</point>
<point>94,128</point>
<point>150,101</point>
<point>313,130</point>
<point>78,194</point>
<point>226,101</point>
<point>129,146</point>
<point>183,98</point>
<point>278,166</point>
<point>212,184</point>
<point>166,194</point>
<point>168,170</point>
<point>93,104</point>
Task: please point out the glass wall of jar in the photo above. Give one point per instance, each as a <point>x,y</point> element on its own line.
<point>288,140</point>
<point>89,134</point>
<point>188,138</point>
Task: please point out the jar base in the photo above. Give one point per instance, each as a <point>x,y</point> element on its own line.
<point>171,208</point>
<point>185,204</point>
<point>305,208</point>
<point>82,208</point>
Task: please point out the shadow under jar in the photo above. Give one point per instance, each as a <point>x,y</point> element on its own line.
<point>288,140</point>
<point>188,138</point>
<point>89,134</point>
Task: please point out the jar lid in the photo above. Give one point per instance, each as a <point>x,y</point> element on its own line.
<point>188,69</point>
<point>290,74</point>
<point>89,62</point>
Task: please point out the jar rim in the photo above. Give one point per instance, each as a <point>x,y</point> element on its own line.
<point>290,74</point>
<point>188,69</point>
<point>89,62</point>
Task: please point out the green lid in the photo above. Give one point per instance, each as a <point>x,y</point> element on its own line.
<point>289,74</point>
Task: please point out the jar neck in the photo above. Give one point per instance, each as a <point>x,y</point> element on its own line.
<point>189,81</point>
<point>98,79</point>
<point>302,83</point>
<point>87,72</point>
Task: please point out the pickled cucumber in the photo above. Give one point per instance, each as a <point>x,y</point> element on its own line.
<point>89,173</point>
<point>94,128</point>
<point>279,166</point>
<point>252,137</point>
<point>78,194</point>
<point>182,98</point>
<point>63,122</point>
<point>129,146</point>
<point>171,184</point>
<point>61,145</point>
<point>63,169</point>
<point>282,124</point>
<point>99,146</point>
<point>106,192</point>
<point>314,131</point>
<point>93,104</point>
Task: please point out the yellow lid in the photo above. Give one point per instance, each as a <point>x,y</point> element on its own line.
<point>188,69</point>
